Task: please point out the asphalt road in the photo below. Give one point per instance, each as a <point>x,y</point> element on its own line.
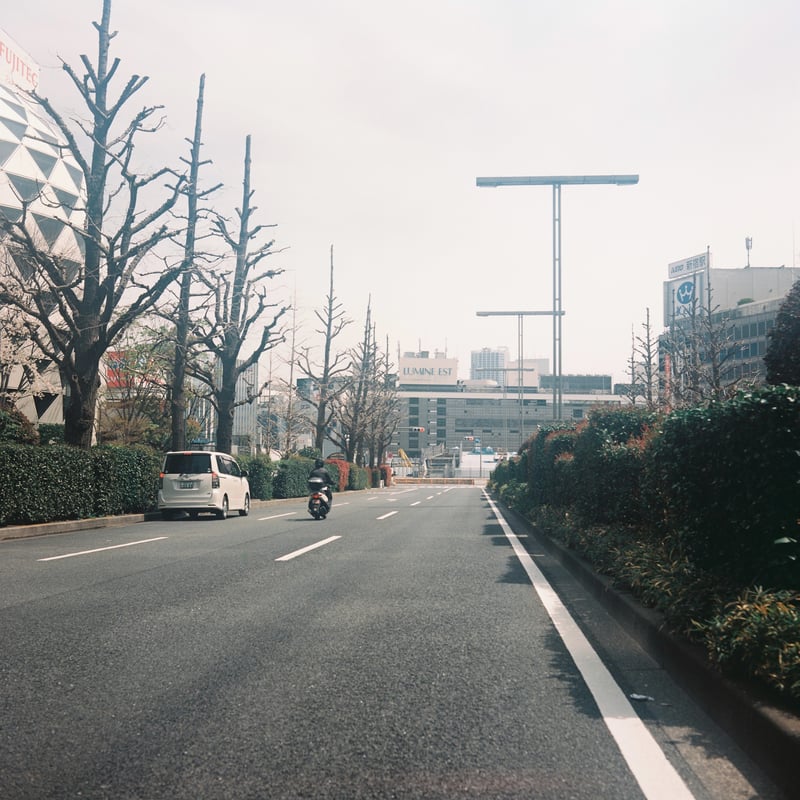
<point>406,647</point>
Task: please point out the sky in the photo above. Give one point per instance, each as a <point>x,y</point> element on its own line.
<point>370,121</point>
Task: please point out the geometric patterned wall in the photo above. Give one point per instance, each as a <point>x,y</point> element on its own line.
<point>34,168</point>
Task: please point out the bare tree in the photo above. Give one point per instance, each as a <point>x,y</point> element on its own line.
<point>134,408</point>
<point>182,316</point>
<point>239,302</point>
<point>330,379</point>
<point>77,308</point>
<point>384,409</point>
<point>697,349</point>
<point>646,373</point>
<point>366,412</point>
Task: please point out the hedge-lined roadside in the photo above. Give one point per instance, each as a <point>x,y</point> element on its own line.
<point>696,512</point>
<point>49,483</point>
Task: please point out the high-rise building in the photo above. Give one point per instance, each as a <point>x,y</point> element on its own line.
<point>489,364</point>
<point>726,314</point>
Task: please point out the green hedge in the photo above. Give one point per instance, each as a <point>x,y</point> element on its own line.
<point>42,484</point>
<point>729,478</point>
<point>720,482</point>
<point>58,482</point>
<point>260,473</point>
<point>291,479</point>
<point>125,479</point>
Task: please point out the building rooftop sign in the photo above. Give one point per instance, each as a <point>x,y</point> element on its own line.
<point>17,68</point>
<point>429,371</point>
<point>688,265</point>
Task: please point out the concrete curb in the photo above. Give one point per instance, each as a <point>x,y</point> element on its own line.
<point>768,734</point>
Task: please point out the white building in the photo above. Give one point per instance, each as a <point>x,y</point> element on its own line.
<point>34,171</point>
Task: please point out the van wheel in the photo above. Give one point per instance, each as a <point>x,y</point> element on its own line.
<point>223,512</point>
<point>243,512</point>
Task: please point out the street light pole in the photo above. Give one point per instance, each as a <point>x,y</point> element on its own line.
<point>519,315</point>
<point>557,181</point>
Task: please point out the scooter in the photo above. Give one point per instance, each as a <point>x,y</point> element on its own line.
<point>319,500</point>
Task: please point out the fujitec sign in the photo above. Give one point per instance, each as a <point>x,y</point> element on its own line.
<point>17,68</point>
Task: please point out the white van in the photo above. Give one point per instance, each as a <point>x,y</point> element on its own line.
<point>194,481</point>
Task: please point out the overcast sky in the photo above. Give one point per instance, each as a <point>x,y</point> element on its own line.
<point>370,121</point>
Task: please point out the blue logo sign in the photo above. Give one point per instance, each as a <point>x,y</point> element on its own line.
<point>685,292</point>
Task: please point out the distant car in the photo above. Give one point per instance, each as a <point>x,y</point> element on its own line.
<point>196,481</point>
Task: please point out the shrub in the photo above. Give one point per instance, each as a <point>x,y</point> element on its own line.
<point>260,471</point>
<point>728,476</point>
<point>759,634</point>
<point>340,472</point>
<point>291,478</point>
<point>15,426</point>
<point>609,464</point>
<point>544,448</point>
<point>125,479</point>
<point>358,477</point>
<point>50,433</point>
<point>43,484</point>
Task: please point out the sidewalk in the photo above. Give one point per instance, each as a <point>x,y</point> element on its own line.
<point>768,734</point>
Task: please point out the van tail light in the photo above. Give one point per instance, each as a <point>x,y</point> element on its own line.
<point>214,480</point>
<point>161,481</point>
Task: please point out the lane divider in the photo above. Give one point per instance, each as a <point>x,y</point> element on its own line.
<point>296,553</point>
<point>101,549</point>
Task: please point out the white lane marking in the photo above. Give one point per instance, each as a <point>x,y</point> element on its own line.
<point>417,503</point>
<point>276,516</point>
<point>390,514</point>
<point>101,549</point>
<point>430,497</point>
<point>656,777</point>
<point>290,556</point>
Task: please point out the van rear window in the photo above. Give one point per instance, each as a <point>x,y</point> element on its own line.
<point>187,463</point>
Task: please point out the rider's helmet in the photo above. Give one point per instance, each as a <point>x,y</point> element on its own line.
<point>319,463</point>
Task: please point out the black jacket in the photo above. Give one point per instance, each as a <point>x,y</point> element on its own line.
<point>321,472</point>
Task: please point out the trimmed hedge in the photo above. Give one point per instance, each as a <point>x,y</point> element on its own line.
<point>125,479</point>
<point>58,482</point>
<point>42,484</point>
<point>260,473</point>
<point>729,478</point>
<point>291,479</point>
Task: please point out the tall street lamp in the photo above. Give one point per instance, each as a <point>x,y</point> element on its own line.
<point>557,181</point>
<point>519,315</point>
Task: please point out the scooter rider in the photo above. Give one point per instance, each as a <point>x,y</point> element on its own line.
<point>321,471</point>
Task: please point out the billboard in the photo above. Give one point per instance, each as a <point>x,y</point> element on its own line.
<point>684,297</point>
<point>687,266</point>
<point>17,68</point>
<point>429,371</point>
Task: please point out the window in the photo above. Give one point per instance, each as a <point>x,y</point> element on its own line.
<point>187,463</point>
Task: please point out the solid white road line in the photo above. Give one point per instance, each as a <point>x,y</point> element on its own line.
<point>101,549</point>
<point>276,516</point>
<point>290,556</point>
<point>386,516</point>
<point>656,777</point>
